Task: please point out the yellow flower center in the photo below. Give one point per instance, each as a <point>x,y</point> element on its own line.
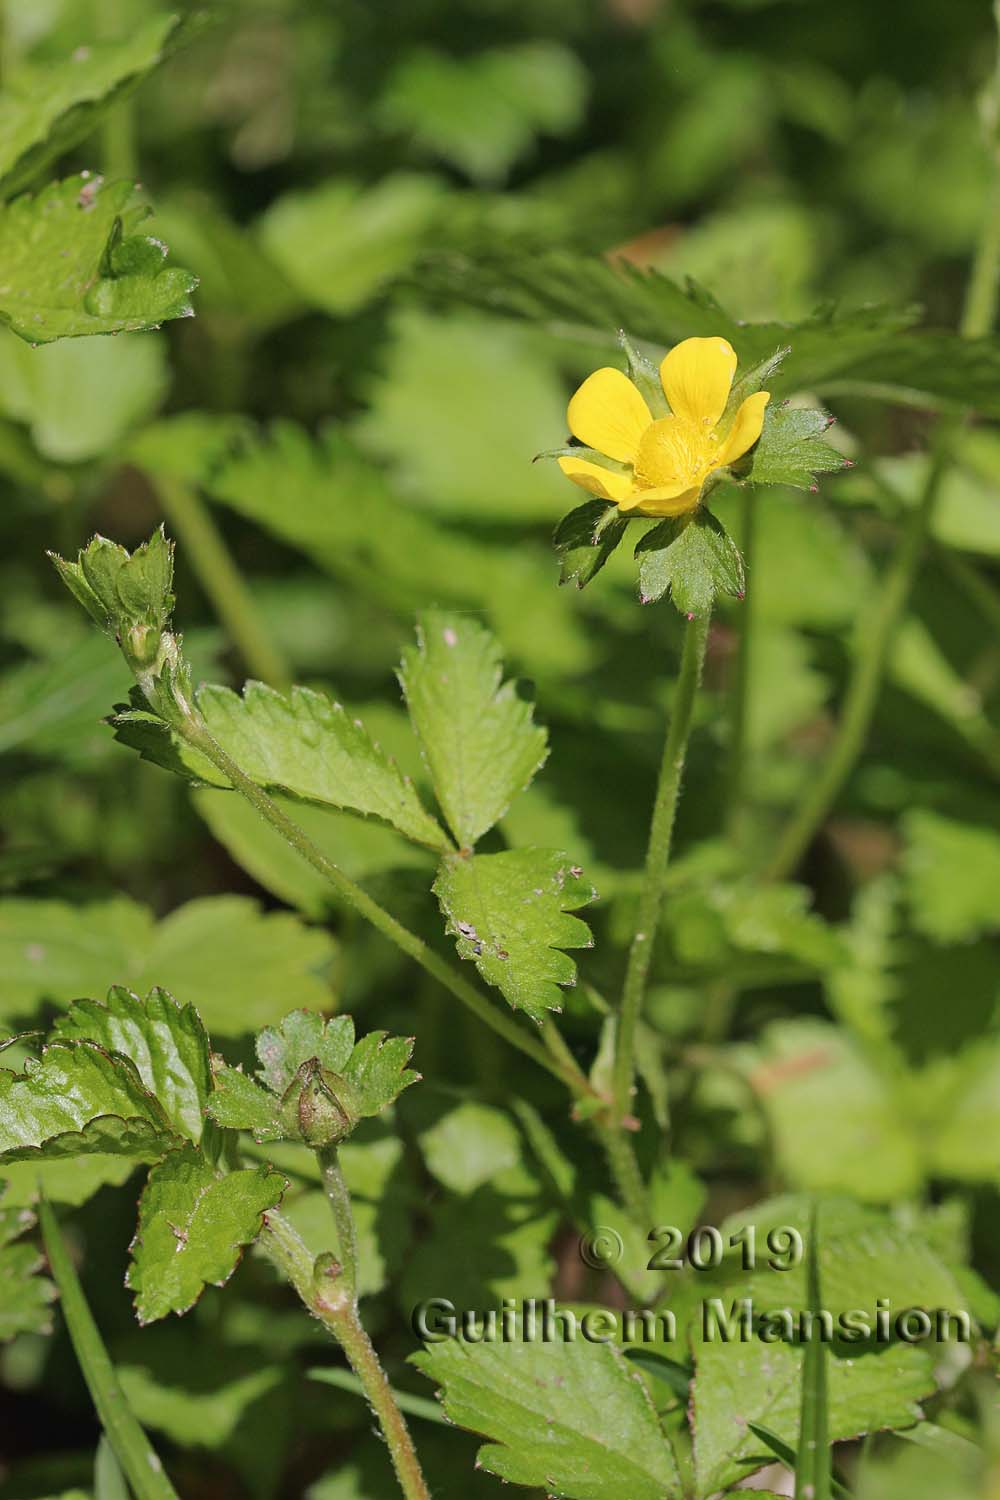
<point>675,449</point>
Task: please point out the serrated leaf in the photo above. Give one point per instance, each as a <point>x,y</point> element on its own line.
<point>25,1296</point>
<point>45,110</point>
<point>73,264</point>
<point>753,1381</point>
<point>693,558</point>
<point>299,1037</point>
<point>791,450</point>
<point>194,1224</point>
<point>510,914</point>
<point>951,869</point>
<point>585,539</point>
<point>77,1099</point>
<point>166,1042</point>
<point>238,1103</point>
<point>572,1419</point>
<point>477,735</point>
<point>305,744</point>
<point>239,966</point>
<point>378,1071</point>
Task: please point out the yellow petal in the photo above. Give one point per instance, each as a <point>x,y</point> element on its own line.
<point>664,500</point>
<point>745,430</point>
<point>607,413</point>
<point>697,376</point>
<point>595,479</point>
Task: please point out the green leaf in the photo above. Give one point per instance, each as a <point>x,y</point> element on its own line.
<point>961,1098</point>
<point>951,869</point>
<point>165,1041</point>
<point>480,112</point>
<point>510,914</point>
<point>69,1180</point>
<point>585,539</point>
<point>194,1224</point>
<point>238,1103</point>
<point>572,1419</point>
<point>791,449</point>
<point>46,110</point>
<point>239,966</point>
<point>76,1099</point>
<point>468,1145</point>
<point>377,1069</point>
<point>299,1037</point>
<point>753,1381</point>
<point>477,734</point>
<point>25,1297</point>
<point>338,243</point>
<point>692,558</point>
<point>73,264</point>
<point>806,1073</point>
<point>305,744</point>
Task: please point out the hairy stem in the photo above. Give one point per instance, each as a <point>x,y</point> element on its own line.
<point>196,733</point>
<point>657,856</point>
<point>324,1292</point>
<point>131,1446</point>
<point>340,1201</point>
<point>221,580</point>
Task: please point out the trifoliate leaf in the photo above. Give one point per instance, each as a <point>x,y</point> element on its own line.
<point>296,1039</point>
<point>46,110</point>
<point>694,559</point>
<point>752,1381</point>
<point>791,450</point>
<point>77,1099</point>
<point>239,966</point>
<point>510,914</point>
<point>194,1223</point>
<point>74,265</point>
<point>476,733</point>
<point>25,1296</point>
<point>480,112</point>
<point>305,744</point>
<point>165,1041</point>
<point>338,243</point>
<point>586,538</point>
<point>572,1419</point>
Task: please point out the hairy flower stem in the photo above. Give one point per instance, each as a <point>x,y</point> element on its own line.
<point>657,856</point>
<point>221,580</point>
<point>978,315</point>
<point>340,1201</point>
<point>323,1288</point>
<point>197,734</point>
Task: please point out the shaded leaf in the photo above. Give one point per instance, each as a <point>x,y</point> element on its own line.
<point>477,735</point>
<point>25,1296</point>
<point>510,914</point>
<point>585,539</point>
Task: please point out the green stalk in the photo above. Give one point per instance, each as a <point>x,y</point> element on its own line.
<point>323,1290</point>
<point>131,1446</point>
<point>221,580</point>
<point>741,693</point>
<point>978,316</point>
<point>119,150</point>
<point>657,857</point>
<point>340,1201</point>
<point>196,733</point>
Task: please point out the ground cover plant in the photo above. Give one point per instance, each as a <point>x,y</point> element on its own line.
<point>462,1031</point>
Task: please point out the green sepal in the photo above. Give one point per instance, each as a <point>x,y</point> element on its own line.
<point>319,1107</point>
<point>751,381</point>
<point>586,538</point>
<point>693,558</point>
<point>645,376</point>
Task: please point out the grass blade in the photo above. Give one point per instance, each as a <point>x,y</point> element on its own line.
<point>109,1481</point>
<point>813,1470</point>
<point>129,1443</point>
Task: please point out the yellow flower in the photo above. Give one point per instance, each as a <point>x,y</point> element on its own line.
<point>666,459</point>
